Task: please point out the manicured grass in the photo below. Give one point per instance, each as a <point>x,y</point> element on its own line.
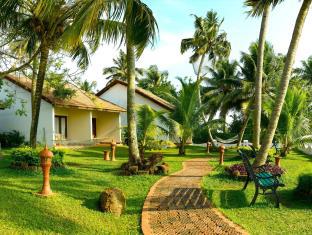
<point>73,210</point>
<point>294,217</point>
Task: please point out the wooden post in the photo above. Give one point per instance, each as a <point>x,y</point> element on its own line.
<point>106,155</point>
<point>222,149</point>
<point>113,149</point>
<point>46,162</point>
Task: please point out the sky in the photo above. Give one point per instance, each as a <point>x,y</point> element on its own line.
<point>176,22</point>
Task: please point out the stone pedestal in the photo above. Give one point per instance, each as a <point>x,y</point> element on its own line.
<point>113,150</point>
<point>106,155</point>
<point>46,162</point>
<point>221,149</point>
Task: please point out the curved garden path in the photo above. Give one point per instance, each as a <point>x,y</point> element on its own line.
<point>177,205</point>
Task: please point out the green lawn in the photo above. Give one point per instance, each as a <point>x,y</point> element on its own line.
<point>293,217</point>
<point>73,210</point>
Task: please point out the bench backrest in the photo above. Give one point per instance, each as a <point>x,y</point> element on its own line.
<point>247,165</point>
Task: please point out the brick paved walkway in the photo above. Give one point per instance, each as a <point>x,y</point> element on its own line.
<point>177,205</point>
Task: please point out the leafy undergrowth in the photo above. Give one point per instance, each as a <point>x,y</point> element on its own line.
<point>73,209</point>
<point>294,216</point>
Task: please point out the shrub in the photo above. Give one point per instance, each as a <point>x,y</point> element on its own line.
<point>28,158</point>
<point>11,139</point>
<point>303,191</point>
<point>240,170</point>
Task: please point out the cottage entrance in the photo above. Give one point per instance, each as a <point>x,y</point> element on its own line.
<point>94,127</point>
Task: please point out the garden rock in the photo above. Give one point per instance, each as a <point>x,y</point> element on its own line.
<point>113,201</point>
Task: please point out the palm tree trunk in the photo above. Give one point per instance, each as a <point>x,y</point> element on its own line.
<point>279,101</point>
<point>33,84</point>
<point>242,131</point>
<point>211,138</point>
<point>259,74</point>
<point>134,155</point>
<point>44,55</point>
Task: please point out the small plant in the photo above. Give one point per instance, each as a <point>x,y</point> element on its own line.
<point>304,189</point>
<point>11,139</point>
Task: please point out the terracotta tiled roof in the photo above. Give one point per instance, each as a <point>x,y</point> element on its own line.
<point>147,94</point>
<point>81,99</point>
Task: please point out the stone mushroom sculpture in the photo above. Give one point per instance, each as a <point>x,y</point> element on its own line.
<point>46,162</point>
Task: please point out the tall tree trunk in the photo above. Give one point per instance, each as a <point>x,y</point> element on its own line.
<point>134,155</point>
<point>211,138</point>
<point>44,55</point>
<point>259,74</point>
<point>279,101</point>
<point>33,84</point>
<point>242,130</point>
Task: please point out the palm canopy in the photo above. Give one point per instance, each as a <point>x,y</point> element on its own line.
<point>34,23</point>
<point>207,39</point>
<point>294,126</point>
<point>115,21</point>
<point>305,71</point>
<point>119,69</point>
<point>187,110</point>
<point>258,6</point>
<point>156,81</point>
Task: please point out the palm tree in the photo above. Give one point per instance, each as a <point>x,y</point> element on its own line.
<point>41,24</point>
<point>260,7</point>
<point>305,71</point>
<point>156,81</point>
<point>222,81</point>
<point>294,125</point>
<point>283,86</point>
<point>148,128</point>
<point>119,70</point>
<point>140,30</point>
<point>272,66</point>
<point>207,41</point>
<point>125,21</point>
<point>186,112</point>
<point>87,86</point>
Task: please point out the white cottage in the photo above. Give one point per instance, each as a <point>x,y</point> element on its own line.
<point>82,119</point>
<point>116,92</point>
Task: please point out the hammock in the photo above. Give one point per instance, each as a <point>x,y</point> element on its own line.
<point>228,141</point>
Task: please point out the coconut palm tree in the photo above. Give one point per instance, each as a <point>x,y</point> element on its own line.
<point>156,81</point>
<point>119,69</point>
<point>41,24</point>
<point>294,125</point>
<point>260,8</point>
<point>125,21</point>
<point>87,86</point>
<point>208,41</point>
<point>148,125</point>
<point>305,71</point>
<point>223,79</point>
<point>284,82</point>
<point>186,112</point>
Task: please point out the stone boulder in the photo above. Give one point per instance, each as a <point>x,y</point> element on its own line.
<point>113,200</point>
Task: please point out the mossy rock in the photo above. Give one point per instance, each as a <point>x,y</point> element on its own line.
<point>113,200</point>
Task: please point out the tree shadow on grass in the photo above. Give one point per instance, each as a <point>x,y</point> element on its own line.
<point>290,200</point>
<point>25,210</point>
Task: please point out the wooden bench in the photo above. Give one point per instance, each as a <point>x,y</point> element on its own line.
<point>263,180</point>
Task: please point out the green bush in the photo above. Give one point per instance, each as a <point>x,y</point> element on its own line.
<point>28,158</point>
<point>11,139</point>
<point>303,191</point>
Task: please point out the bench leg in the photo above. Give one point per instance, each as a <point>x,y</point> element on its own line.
<point>255,196</point>
<point>246,183</point>
<point>277,201</point>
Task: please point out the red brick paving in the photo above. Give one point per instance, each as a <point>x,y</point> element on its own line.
<point>177,205</point>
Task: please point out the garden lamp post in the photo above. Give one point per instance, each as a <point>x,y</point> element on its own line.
<point>222,149</point>
<point>46,162</point>
<point>208,146</point>
<point>113,149</point>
